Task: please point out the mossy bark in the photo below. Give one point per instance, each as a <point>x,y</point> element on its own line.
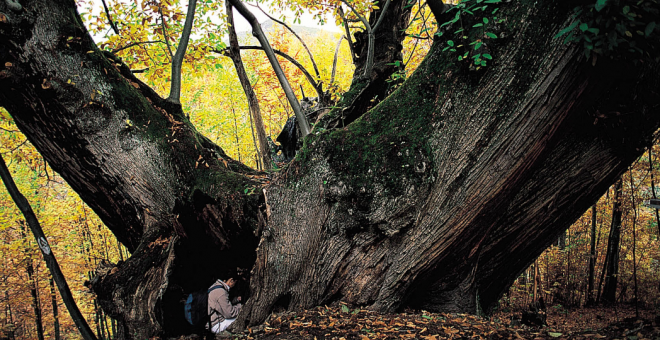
<point>442,193</point>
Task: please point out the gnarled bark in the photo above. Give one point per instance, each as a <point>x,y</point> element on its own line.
<point>436,198</point>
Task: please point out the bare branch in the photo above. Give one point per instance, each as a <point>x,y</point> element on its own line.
<point>167,40</point>
<point>311,57</point>
<point>259,34</point>
<point>177,61</point>
<point>348,33</point>
<point>1,128</point>
<point>136,44</point>
<point>334,60</point>
<point>142,70</point>
<point>308,75</point>
<point>107,13</point>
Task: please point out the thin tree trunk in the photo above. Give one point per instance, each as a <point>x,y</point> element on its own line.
<point>652,171</point>
<point>11,331</point>
<point>36,306</point>
<point>592,258</point>
<point>25,208</point>
<point>238,142</point>
<point>612,269</point>
<point>536,276</point>
<point>634,240</point>
<point>56,315</point>
<point>253,103</point>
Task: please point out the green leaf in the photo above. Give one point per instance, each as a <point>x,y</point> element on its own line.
<point>595,31</point>
<point>427,317</point>
<point>488,56</point>
<point>345,309</point>
<point>495,10</point>
<point>491,35</point>
<point>584,27</point>
<point>567,29</point>
<point>485,20</point>
<point>458,16</point>
<point>626,9</point>
<point>649,28</point>
<point>477,25</point>
<point>476,47</point>
<point>600,4</point>
<point>554,335</point>
<point>450,42</point>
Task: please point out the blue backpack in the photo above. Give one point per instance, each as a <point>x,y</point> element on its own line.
<point>196,307</point>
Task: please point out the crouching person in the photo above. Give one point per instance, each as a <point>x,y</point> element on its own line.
<point>221,310</point>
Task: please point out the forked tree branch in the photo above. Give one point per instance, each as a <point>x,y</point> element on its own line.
<point>309,53</point>
<point>177,61</point>
<point>259,34</point>
<point>371,35</point>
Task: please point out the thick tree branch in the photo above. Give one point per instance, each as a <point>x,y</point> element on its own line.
<point>259,34</point>
<point>309,53</point>
<point>25,208</point>
<point>107,14</point>
<point>177,61</point>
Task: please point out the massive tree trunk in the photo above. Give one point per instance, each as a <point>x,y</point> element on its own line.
<point>437,198</point>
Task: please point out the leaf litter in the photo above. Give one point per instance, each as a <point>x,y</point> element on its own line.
<point>344,323</point>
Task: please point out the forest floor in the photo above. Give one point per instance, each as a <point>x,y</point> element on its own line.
<point>343,323</point>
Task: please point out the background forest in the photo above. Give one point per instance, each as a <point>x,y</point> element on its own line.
<point>569,274</point>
